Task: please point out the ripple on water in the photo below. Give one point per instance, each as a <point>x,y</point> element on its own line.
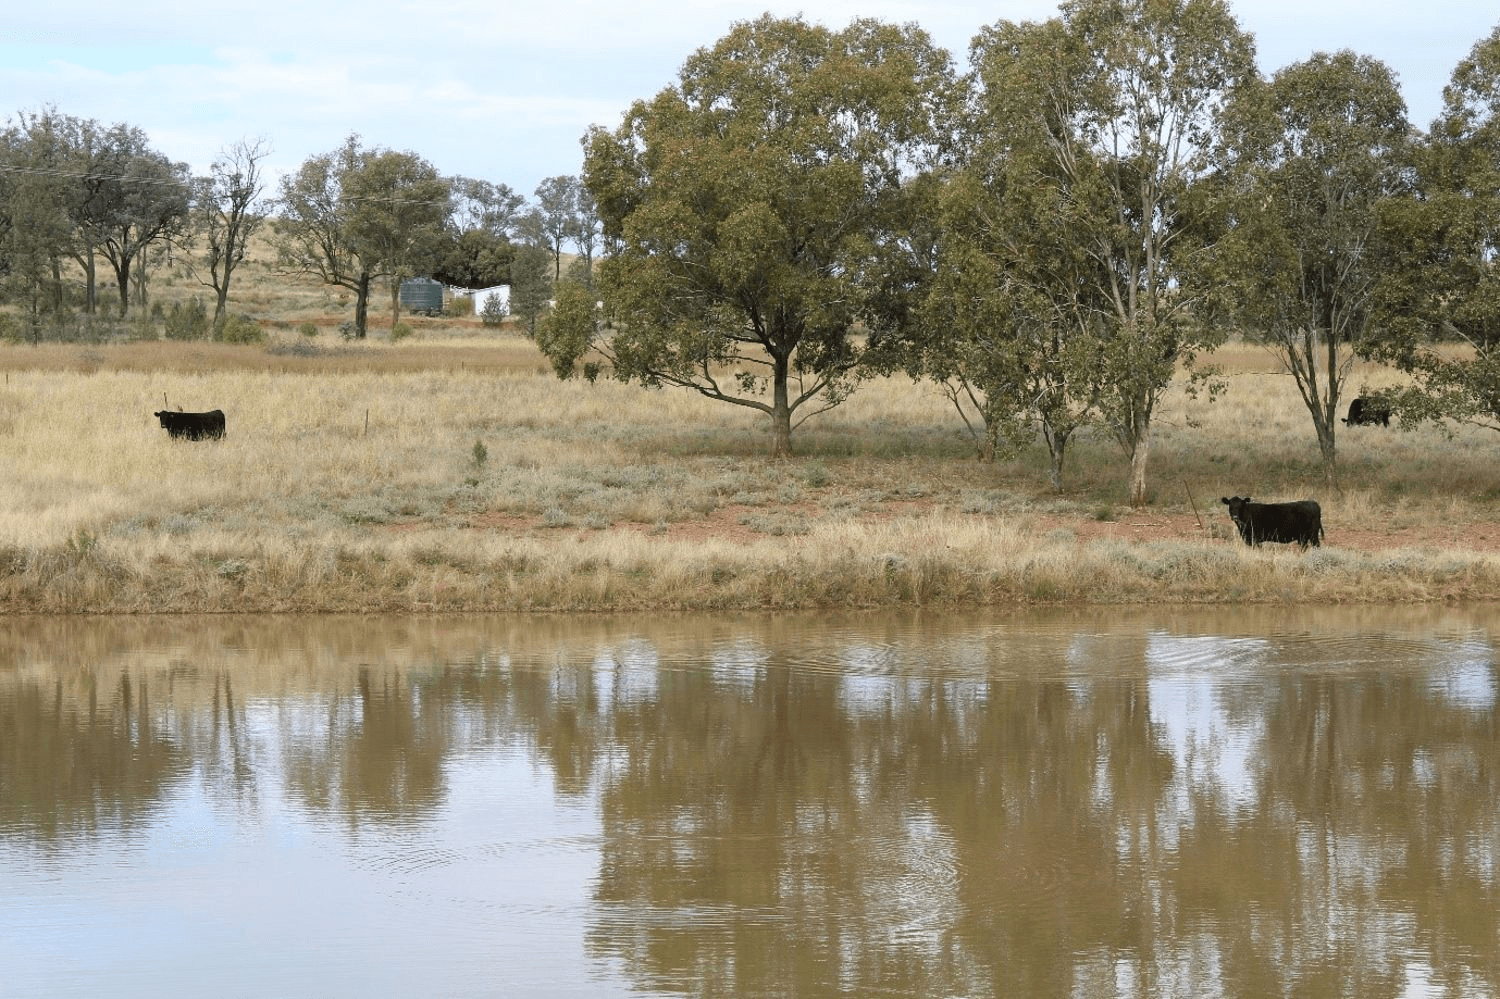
<point>1232,657</point>
<point>417,857</point>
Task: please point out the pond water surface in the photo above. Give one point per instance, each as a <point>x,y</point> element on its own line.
<point>1145,803</point>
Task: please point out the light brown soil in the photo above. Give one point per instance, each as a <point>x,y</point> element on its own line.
<point>1150,526</point>
<point>726,523</point>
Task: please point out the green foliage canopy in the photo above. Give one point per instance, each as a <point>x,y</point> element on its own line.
<point>531,285</point>
<point>475,258</point>
<point>37,230</point>
<point>1311,157</point>
<point>356,214</point>
<point>1442,285</point>
<point>72,188</point>
<point>750,204</point>
<point>1063,277</point>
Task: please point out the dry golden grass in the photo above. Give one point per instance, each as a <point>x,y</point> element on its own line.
<point>453,472</point>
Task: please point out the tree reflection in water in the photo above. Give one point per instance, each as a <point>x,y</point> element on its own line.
<point>914,807</point>
<point>71,766</point>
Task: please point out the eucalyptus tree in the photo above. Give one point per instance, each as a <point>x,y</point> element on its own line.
<point>137,197</point>
<point>531,287</point>
<point>1008,318</point>
<point>1006,327</point>
<point>1092,131</point>
<point>36,229</point>
<point>1312,156</point>
<point>84,163</point>
<point>227,211</point>
<point>480,250</point>
<point>556,215</point>
<point>475,258</point>
<point>487,206</point>
<point>401,207</point>
<point>77,189</point>
<point>586,233</point>
<point>1445,239</point>
<point>94,166</point>
<point>748,204</point>
<point>353,215</point>
<point>313,232</point>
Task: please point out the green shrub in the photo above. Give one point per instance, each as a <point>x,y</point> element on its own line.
<point>240,329</point>
<point>400,331</point>
<point>493,313</point>
<point>308,329</point>
<point>460,306</point>
<point>187,320</point>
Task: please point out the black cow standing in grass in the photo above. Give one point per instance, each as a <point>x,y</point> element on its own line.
<point>193,426</point>
<point>1368,411</point>
<point>1299,522</point>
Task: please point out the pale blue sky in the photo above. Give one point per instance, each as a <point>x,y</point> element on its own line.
<point>503,91</point>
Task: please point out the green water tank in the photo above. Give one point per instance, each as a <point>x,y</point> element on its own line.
<point>423,296</point>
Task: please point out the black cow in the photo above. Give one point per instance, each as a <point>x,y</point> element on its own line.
<point>1299,522</point>
<point>193,426</point>
<point>1371,411</point>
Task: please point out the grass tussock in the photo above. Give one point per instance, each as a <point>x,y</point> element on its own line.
<point>453,472</point>
<point>935,561</point>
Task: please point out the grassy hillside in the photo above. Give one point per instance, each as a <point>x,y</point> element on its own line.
<point>262,289</point>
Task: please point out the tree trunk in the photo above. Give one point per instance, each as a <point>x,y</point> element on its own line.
<point>140,284</point>
<point>1138,451</point>
<point>90,277</point>
<point>1057,445</point>
<point>781,413</point>
<point>57,285</point>
<point>1329,450</point>
<point>361,305</point>
<point>395,302</point>
<point>122,276</point>
<point>34,312</point>
<point>221,288</point>
<point>781,433</point>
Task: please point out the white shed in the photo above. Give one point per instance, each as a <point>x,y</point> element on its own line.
<point>483,295</point>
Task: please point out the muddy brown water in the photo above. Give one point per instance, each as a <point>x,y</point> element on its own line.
<point>1236,802</point>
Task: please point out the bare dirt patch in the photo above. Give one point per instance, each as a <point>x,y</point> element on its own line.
<point>733,524</point>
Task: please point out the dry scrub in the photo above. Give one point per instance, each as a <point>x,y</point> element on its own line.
<point>456,474</point>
